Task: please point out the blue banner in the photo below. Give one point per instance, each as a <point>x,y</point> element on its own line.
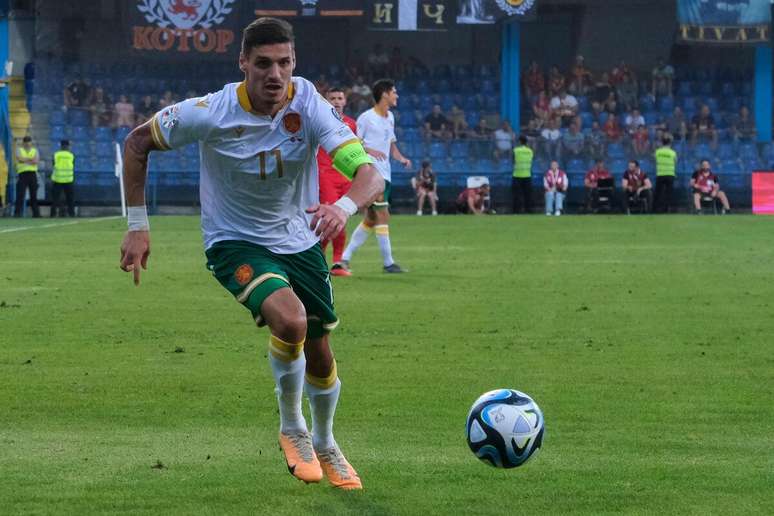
<point>724,21</point>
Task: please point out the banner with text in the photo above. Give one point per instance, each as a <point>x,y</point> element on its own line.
<point>727,21</point>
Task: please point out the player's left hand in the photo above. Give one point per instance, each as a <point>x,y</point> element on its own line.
<point>407,163</point>
<point>328,220</point>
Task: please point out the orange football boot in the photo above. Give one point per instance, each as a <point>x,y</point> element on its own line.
<point>300,457</point>
<point>340,473</point>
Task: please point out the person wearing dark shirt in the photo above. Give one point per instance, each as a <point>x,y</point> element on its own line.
<point>705,183</point>
<point>437,125</point>
<point>703,126</point>
<point>425,187</point>
<point>77,94</point>
<point>591,182</point>
<point>636,186</point>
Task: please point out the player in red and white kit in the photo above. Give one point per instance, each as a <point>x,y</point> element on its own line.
<point>333,184</point>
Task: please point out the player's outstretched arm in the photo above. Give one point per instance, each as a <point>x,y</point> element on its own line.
<point>330,219</point>
<point>135,249</point>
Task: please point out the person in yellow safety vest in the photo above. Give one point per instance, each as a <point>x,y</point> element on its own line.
<point>666,166</point>
<point>27,159</point>
<point>63,177</point>
<point>521,184</point>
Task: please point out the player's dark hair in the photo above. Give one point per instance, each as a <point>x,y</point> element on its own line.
<point>523,140</point>
<point>381,87</point>
<point>335,89</point>
<point>266,31</point>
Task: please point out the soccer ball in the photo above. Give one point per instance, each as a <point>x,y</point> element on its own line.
<point>505,428</point>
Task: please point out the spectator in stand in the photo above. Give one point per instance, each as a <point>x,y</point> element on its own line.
<point>124,111</point>
<point>618,72</point>
<point>627,92</point>
<point>743,128</point>
<point>482,135</point>
<point>596,141</point>
<point>504,138</point>
<point>77,94</point>
<point>397,65</point>
<point>437,125</point>
<point>641,143</point>
<point>676,125</point>
<point>322,85</point>
<point>612,130</point>
<point>464,132</point>
<point>101,113</point>
<point>360,97</point>
<point>555,184</point>
<point>597,108</point>
<point>167,99</point>
<point>534,81</point>
<point>703,126</point>
<point>573,143</point>
<point>580,78</point>
<point>145,110</point>
<point>632,122</point>
<point>611,104</point>
<point>555,81</point>
<point>661,79</point>
<point>564,106</point>
<point>705,183</point>
<point>601,92</point>
<point>457,120</point>
<point>425,187</point>
<point>471,200</point>
<point>542,107</point>
<point>590,182</point>
<point>378,62</point>
<point>636,185</point>
<point>551,140</point>
<point>532,134</point>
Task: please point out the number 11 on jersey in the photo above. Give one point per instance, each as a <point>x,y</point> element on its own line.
<point>277,157</point>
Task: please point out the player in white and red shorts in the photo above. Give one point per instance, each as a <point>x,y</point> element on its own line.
<point>333,184</point>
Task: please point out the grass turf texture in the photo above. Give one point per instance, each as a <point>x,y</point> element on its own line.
<point>647,342</point>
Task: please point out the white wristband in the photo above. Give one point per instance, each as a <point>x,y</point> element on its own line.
<point>347,204</point>
<point>138,218</point>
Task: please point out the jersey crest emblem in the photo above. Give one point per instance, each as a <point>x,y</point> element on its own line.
<point>239,130</point>
<point>170,116</point>
<point>292,122</point>
<point>336,114</point>
<point>243,274</point>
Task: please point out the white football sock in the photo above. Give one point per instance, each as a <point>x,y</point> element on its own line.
<point>323,403</point>
<point>288,369</point>
<point>358,238</point>
<point>383,237</point>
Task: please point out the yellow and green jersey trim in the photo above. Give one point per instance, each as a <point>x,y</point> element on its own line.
<point>157,135</point>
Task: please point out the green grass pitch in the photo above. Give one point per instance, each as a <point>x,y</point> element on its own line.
<point>647,341</point>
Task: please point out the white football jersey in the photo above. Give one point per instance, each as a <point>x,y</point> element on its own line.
<point>378,133</point>
<point>258,174</point>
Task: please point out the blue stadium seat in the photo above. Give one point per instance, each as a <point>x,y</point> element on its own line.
<point>56,117</point>
<point>748,151</point>
<point>730,166</point>
<point>725,151</point>
<point>504,166</point>
<point>80,148</point>
<point>407,119</point>
<point>647,103</point>
<point>410,134</point>
<point>437,150</point>
<point>79,117</point>
<point>446,103</point>
<point>105,165</point>
<point>122,133</point>
<point>684,88</point>
<point>575,166</point>
<point>616,150</point>
<point>79,133</point>
<point>651,118</point>
<point>462,165</point>
<point>483,166</point>
<point>712,103</point>
<point>471,118</point>
<point>727,89</point>
<point>57,133</point>
<point>666,104</point>
<point>586,119</point>
<point>441,166</point>
<point>459,149</point>
<point>689,104</point>
<point>471,103</point>
<point>104,150</point>
<point>102,134</point>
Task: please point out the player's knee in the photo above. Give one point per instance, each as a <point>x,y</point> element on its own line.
<point>290,327</point>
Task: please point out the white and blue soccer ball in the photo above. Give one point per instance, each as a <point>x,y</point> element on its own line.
<point>505,428</point>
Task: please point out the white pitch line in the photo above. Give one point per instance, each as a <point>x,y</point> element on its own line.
<point>58,224</point>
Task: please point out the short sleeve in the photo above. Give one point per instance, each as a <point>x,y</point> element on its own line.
<point>327,126</point>
<point>178,125</point>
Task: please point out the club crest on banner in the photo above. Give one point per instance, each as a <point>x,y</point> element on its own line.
<point>183,25</point>
<point>515,7</point>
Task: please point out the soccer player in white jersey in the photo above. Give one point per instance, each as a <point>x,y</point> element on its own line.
<point>376,128</point>
<point>262,223</point>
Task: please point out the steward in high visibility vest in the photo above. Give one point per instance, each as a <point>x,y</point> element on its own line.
<point>521,184</point>
<point>666,165</point>
<point>27,159</point>
<point>63,177</point>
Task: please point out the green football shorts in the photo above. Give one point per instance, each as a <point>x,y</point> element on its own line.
<point>383,201</point>
<point>251,273</point>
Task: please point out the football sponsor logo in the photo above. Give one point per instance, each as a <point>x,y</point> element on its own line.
<point>292,122</point>
<point>243,274</point>
<point>336,114</point>
<point>183,25</point>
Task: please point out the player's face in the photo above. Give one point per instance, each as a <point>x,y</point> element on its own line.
<point>268,69</point>
<point>392,97</point>
<point>337,100</point>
